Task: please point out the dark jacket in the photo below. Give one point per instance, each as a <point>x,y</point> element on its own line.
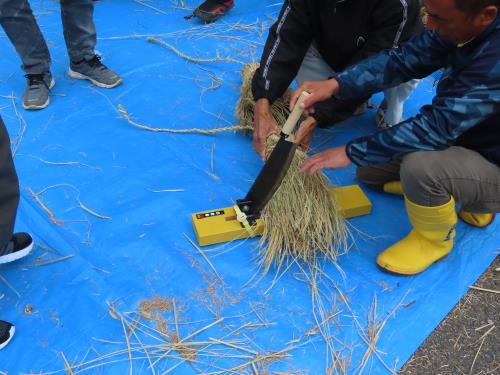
<point>345,32</point>
<point>465,111</point>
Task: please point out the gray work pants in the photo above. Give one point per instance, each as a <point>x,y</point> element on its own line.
<point>18,22</point>
<point>314,67</point>
<point>429,178</point>
<point>9,188</point>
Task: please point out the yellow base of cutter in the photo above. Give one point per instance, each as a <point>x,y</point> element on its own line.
<point>220,225</point>
<point>351,201</point>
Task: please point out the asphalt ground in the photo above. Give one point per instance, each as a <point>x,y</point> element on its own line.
<point>468,340</point>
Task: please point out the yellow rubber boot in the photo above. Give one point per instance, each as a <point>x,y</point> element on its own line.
<point>430,240</point>
<point>393,187</point>
<point>476,220</point>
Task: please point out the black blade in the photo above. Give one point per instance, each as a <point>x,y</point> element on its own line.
<point>269,178</point>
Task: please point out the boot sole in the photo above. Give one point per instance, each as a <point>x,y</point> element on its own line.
<point>17,255</point>
<point>76,75</point>
<point>402,273</point>
<point>44,105</point>
<point>11,335</point>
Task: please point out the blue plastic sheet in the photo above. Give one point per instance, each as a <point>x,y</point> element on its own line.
<point>114,241</point>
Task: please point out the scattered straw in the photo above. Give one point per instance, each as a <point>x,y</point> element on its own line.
<point>208,356</point>
<point>167,190</point>
<point>202,253</point>
<point>151,7</point>
<point>80,204</point>
<point>88,210</point>
<point>128,345</point>
<point>10,286</point>
<point>484,290</point>
<point>52,261</point>
<point>76,163</point>
<point>45,208</point>
<point>67,366</point>
<point>478,350</point>
<point>22,125</point>
<point>322,316</point>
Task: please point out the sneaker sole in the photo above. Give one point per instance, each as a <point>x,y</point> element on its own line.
<point>11,335</point>
<point>44,105</point>
<point>76,75</point>
<point>17,255</point>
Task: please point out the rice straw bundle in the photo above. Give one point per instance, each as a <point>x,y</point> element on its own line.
<point>244,107</point>
<point>302,220</point>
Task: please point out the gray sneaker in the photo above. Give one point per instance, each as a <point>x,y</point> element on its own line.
<point>36,95</point>
<point>95,72</point>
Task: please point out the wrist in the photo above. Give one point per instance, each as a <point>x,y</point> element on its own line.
<point>348,152</point>
<point>262,104</point>
<point>333,86</point>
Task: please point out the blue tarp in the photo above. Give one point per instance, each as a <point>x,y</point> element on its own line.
<point>113,243</point>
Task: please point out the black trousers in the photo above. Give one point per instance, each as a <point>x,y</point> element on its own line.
<point>9,188</point>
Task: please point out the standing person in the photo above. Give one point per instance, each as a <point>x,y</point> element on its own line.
<point>16,18</point>
<point>12,246</point>
<point>211,10</point>
<point>450,151</point>
<point>313,39</point>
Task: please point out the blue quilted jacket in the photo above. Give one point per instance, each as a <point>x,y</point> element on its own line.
<point>465,111</point>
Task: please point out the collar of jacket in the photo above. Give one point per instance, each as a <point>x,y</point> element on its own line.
<point>495,25</point>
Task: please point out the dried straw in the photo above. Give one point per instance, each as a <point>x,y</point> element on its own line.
<point>302,220</point>
<point>244,107</point>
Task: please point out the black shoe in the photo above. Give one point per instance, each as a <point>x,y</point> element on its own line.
<point>212,10</point>
<point>6,333</point>
<point>19,246</point>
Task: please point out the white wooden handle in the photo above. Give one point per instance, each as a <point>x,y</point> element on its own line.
<point>292,119</point>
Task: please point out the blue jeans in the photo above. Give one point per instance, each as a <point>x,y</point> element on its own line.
<point>18,22</point>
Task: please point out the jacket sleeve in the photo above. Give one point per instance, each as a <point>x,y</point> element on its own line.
<point>418,58</point>
<point>335,110</point>
<point>470,98</point>
<point>392,22</point>
<point>287,43</point>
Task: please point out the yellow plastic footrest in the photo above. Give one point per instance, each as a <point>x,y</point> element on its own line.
<point>351,201</point>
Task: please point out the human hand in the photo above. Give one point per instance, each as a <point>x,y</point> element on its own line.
<point>333,158</point>
<point>264,126</point>
<point>305,133</point>
<point>319,90</point>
